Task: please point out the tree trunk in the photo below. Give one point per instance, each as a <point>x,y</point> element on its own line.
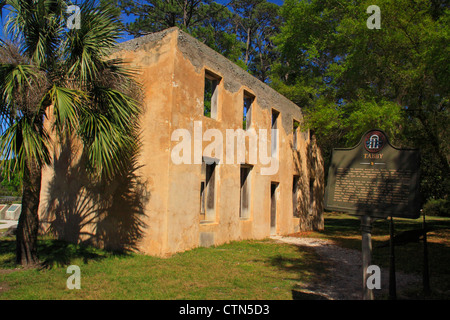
<point>262,75</point>
<point>247,50</point>
<point>185,13</point>
<point>28,226</point>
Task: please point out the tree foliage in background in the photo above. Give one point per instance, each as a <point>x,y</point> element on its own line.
<point>206,20</point>
<point>64,75</point>
<point>351,78</point>
<point>346,77</point>
<point>255,23</point>
<point>11,184</point>
<point>241,30</point>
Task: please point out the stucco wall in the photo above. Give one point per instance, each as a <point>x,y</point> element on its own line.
<point>166,215</point>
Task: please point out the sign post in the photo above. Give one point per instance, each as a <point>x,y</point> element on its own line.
<point>366,232</point>
<point>373,180</point>
<point>426,276</point>
<point>392,279</point>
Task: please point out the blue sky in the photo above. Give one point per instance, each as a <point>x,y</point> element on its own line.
<point>126,19</point>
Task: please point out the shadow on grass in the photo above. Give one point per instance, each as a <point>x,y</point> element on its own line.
<point>61,253</point>
<point>7,253</point>
<point>339,225</point>
<point>304,295</point>
<point>409,254</point>
<point>54,253</point>
<point>310,269</point>
<point>345,231</point>
<point>351,225</point>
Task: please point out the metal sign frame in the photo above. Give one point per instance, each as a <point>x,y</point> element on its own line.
<point>375,179</point>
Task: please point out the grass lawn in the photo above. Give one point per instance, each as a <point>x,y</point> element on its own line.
<point>241,270</point>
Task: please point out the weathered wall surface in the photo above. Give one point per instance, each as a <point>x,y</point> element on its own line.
<point>186,230</point>
<point>130,212</point>
<point>154,60</point>
<point>157,207</point>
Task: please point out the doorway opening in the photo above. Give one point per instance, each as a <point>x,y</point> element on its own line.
<point>273,207</point>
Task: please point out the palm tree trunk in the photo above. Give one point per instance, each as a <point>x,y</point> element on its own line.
<point>27,229</point>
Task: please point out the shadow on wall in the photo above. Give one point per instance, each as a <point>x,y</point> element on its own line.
<point>79,210</point>
<point>311,187</point>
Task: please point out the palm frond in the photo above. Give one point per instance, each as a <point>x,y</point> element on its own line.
<point>24,140</point>
<point>66,105</point>
<point>38,26</point>
<point>118,107</point>
<point>105,144</point>
<point>70,71</point>
<point>21,89</point>
<point>89,46</point>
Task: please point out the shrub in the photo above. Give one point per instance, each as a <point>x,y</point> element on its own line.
<point>437,207</point>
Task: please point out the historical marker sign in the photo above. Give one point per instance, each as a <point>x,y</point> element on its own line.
<point>374,179</point>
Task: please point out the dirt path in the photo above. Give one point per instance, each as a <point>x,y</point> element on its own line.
<point>345,267</point>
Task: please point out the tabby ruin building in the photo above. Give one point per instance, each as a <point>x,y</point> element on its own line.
<point>163,206</point>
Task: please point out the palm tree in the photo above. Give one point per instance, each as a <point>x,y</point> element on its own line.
<point>52,74</point>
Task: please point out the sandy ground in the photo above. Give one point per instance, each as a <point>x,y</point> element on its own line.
<point>346,272</point>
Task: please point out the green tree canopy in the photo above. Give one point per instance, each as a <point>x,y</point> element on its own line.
<point>241,30</point>
<point>351,78</point>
